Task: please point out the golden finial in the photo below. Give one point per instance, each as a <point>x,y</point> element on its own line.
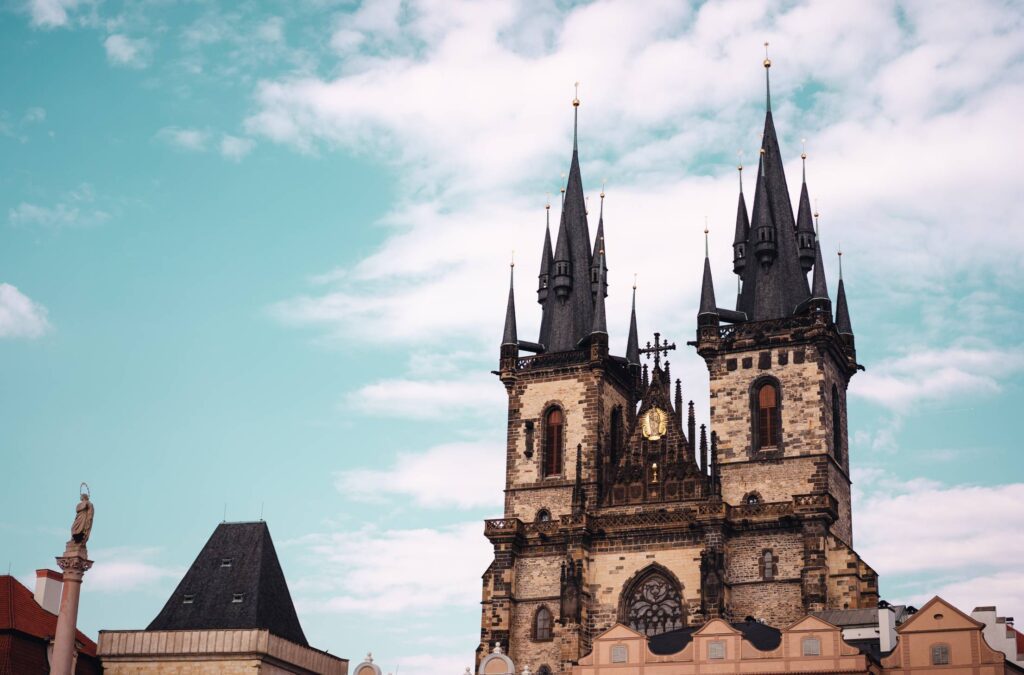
<point>634,281</point>
<point>512,261</point>
<point>839,251</point>
<point>767,61</point>
<point>762,151</point>
<point>739,160</point>
<point>547,201</point>
<point>803,148</point>
<point>604,182</point>
<point>576,97</point>
<point>706,236</point>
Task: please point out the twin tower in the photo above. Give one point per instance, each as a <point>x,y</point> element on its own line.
<point>617,508</point>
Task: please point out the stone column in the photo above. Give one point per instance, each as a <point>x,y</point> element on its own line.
<point>74,563</point>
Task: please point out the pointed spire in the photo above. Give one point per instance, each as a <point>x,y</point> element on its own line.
<point>546,259</point>
<point>843,324</point>
<point>708,307</point>
<point>600,322</point>
<point>679,402</point>
<point>646,377</point>
<point>691,427</point>
<point>739,241</point>
<point>597,265</point>
<point>704,449</point>
<point>767,80</point>
<point>819,287</point>
<point>633,342</point>
<point>804,225</point>
<point>575,115</point>
<point>510,337</point>
<point>716,479</point>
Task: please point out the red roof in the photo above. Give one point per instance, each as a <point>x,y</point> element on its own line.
<point>1020,642</point>
<point>19,611</point>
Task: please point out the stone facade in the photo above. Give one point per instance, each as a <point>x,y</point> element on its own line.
<point>211,652</point>
<point>732,530</point>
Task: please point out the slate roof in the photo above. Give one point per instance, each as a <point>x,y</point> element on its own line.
<point>762,636</point>
<point>254,572</point>
<point>849,617</point>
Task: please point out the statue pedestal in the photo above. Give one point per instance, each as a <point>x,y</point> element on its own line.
<point>74,563</point>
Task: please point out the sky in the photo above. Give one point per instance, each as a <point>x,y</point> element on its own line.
<point>254,262</point>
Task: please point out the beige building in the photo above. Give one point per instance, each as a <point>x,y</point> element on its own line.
<point>231,613</point>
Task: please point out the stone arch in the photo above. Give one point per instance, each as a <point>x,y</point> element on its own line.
<point>496,663</point>
<point>652,602</point>
<point>553,466</point>
<point>775,443</point>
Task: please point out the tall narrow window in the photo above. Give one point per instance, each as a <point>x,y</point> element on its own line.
<point>615,436</point>
<point>542,624</point>
<point>553,439</point>
<point>768,565</point>
<point>766,416</point>
<point>837,426</point>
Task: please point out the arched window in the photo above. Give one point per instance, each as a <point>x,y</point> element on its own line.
<point>768,565</point>
<point>837,426</point>
<point>543,516</point>
<point>553,441</point>
<point>766,416</point>
<point>542,624</point>
<point>811,646</point>
<point>653,604</point>
<point>752,498</point>
<point>940,655</point>
<point>615,436</point>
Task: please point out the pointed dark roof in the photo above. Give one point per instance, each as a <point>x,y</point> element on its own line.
<point>842,311</point>
<point>819,288</point>
<point>633,342</point>
<point>599,243</point>
<point>742,222</point>
<point>774,291</point>
<point>254,572</point>
<point>600,324</point>
<point>707,292</point>
<point>546,255</point>
<point>509,337</point>
<point>546,265</point>
<point>804,218</point>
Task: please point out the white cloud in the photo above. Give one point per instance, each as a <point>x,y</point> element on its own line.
<point>474,117</point>
<point>20,316</point>
<point>413,571</point>
<point>50,13</point>
<point>271,30</point>
<point>193,140</point>
<point>123,569</point>
<point>959,541</point>
<point>34,115</point>
<point>930,375</point>
<point>125,51</point>
<point>73,209</point>
<point>479,393</point>
<point>426,478</point>
<point>236,148</point>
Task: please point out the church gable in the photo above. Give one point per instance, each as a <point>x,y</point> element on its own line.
<point>809,623</point>
<point>936,615</point>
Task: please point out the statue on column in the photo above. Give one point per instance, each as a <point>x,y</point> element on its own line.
<point>84,510</point>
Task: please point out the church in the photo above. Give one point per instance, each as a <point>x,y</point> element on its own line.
<point>619,509</point>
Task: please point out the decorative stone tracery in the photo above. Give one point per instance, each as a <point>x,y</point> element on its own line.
<point>653,603</point>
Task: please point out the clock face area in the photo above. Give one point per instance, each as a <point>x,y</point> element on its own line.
<point>654,423</point>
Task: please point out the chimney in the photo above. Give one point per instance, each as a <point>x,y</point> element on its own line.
<point>886,628</point>
<point>48,588</point>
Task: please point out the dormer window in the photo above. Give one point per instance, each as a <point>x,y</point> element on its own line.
<point>237,597</point>
<point>189,599</point>
<point>225,562</point>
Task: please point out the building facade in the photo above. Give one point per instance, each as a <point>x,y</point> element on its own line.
<point>618,508</point>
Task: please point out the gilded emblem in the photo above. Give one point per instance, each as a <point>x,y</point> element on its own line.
<point>654,423</point>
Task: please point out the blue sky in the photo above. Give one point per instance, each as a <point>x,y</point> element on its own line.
<point>255,255</point>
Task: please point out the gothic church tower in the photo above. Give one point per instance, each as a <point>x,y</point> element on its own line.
<point>617,510</point>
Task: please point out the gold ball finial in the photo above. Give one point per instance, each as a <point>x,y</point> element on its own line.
<point>762,151</point>
<point>512,260</point>
<point>767,61</point>
<point>634,281</point>
<point>576,96</point>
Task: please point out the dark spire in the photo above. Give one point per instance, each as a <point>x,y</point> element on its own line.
<point>804,225</point>
<point>716,479</point>
<point>765,247</point>
<point>633,342</point>
<point>739,242</point>
<point>600,324</point>
<point>708,308</point>
<point>704,449</point>
<point>767,80</point>
<point>572,309</point>
<point>546,259</point>
<point>843,324</point>
<point>510,336</point>
<point>599,243</point>
<point>819,288</point>
<point>691,426</point>
<point>679,402</point>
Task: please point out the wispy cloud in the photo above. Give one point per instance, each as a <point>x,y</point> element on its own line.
<point>394,571</point>
<point>932,375</point>
<point>20,316</point>
<point>75,208</point>
<point>236,148</point>
<point>123,569</point>
<point>193,140</point>
<point>50,13</point>
<point>430,399</point>
<point>426,477</point>
<point>125,51</point>
<point>964,539</point>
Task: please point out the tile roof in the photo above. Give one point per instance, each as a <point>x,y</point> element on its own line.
<point>20,612</point>
<point>236,581</point>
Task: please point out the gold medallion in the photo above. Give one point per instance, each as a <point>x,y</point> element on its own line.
<point>654,423</point>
